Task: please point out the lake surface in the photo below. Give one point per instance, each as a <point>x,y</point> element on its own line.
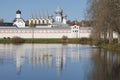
<point>57,62</point>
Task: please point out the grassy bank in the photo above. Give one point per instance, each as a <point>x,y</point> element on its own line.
<point>56,40</point>
<point>43,40</point>
<point>104,44</point>
<point>114,46</point>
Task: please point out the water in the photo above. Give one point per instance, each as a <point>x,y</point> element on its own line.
<point>57,62</point>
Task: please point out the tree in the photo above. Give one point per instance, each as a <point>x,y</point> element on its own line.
<point>105,15</point>
<point>1,20</point>
<point>31,25</point>
<point>116,17</point>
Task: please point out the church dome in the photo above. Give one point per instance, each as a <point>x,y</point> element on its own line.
<point>18,12</point>
<point>58,10</point>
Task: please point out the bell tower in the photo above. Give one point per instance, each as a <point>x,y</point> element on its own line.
<point>18,14</point>
<point>18,21</point>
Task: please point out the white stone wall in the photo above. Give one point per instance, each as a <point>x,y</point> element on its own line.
<point>41,33</point>
<point>74,32</point>
<point>30,33</point>
<point>85,33</point>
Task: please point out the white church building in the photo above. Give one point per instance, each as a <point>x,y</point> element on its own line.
<point>19,22</point>
<point>44,27</point>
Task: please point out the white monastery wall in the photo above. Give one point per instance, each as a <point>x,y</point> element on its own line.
<point>42,33</point>
<point>85,33</point>
<point>45,33</point>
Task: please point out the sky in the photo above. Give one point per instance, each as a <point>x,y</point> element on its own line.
<point>75,9</point>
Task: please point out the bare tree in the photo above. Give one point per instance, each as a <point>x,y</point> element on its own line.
<point>105,15</point>
<point>116,17</point>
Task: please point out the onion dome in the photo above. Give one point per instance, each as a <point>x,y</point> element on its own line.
<point>58,10</point>
<point>18,12</point>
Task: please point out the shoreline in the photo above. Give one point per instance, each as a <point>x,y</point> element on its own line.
<point>115,47</point>
<point>41,40</point>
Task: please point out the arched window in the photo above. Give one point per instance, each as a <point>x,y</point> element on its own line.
<point>35,21</point>
<point>39,21</point>
<point>43,21</point>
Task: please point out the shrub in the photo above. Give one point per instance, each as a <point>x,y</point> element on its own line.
<point>64,38</point>
<point>17,40</point>
<point>85,40</point>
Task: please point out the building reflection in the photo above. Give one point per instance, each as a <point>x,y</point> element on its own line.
<point>12,53</point>
<point>20,58</point>
<point>53,56</point>
<point>105,64</point>
<point>42,56</point>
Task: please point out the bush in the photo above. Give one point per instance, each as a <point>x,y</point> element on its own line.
<point>85,40</point>
<point>64,38</point>
<point>17,40</point>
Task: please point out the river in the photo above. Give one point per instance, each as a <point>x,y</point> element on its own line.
<point>57,62</point>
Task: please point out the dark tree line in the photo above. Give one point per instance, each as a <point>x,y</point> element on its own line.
<point>105,15</point>
<point>1,20</point>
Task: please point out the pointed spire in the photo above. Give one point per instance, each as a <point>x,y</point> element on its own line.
<point>32,16</point>
<point>43,15</point>
<point>36,16</point>
<point>39,15</point>
<point>47,14</point>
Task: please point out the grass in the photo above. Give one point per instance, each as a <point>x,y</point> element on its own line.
<point>112,47</point>
<point>43,40</point>
<point>100,43</point>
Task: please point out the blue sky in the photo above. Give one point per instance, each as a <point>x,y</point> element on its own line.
<point>75,9</point>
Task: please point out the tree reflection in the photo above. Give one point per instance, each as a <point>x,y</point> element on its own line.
<point>106,65</point>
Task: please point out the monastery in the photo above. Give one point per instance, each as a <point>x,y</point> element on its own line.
<point>44,27</point>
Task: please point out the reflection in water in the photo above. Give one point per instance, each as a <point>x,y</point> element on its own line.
<point>106,66</point>
<point>44,55</point>
<point>40,56</point>
<point>81,62</point>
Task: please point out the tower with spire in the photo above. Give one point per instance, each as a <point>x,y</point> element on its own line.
<point>18,14</point>
<point>18,21</point>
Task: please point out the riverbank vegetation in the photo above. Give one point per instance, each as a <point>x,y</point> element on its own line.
<point>114,46</point>
<point>105,17</point>
<point>17,40</point>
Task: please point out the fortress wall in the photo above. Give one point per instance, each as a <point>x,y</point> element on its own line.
<point>84,33</point>
<point>29,33</point>
<point>43,33</point>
